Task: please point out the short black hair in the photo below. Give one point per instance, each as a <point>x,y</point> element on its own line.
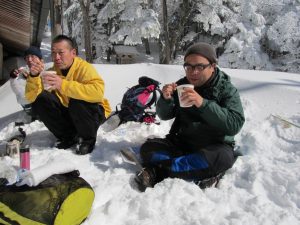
<point>71,41</point>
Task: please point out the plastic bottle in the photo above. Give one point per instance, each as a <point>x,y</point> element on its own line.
<point>25,158</point>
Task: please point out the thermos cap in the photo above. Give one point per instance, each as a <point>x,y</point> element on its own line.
<point>24,149</point>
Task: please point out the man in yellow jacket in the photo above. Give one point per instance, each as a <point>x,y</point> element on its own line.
<point>74,106</point>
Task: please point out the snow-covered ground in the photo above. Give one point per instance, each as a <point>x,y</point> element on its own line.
<point>261,188</point>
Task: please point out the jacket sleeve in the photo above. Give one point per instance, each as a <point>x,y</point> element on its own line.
<point>33,88</point>
<point>18,86</point>
<point>227,117</point>
<point>88,85</point>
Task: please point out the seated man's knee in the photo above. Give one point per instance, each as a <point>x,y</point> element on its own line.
<point>44,95</point>
<point>43,98</point>
<point>143,150</point>
<point>151,146</point>
<point>225,160</point>
<point>73,101</point>
<point>75,104</point>
<point>229,159</point>
<point>147,147</point>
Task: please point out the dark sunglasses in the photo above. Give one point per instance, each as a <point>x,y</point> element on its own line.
<point>200,67</point>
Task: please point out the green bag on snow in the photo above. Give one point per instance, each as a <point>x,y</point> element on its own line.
<point>62,199</point>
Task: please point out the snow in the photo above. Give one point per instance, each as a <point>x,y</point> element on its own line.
<point>261,188</point>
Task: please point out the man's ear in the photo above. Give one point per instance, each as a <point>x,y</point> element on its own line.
<point>74,52</point>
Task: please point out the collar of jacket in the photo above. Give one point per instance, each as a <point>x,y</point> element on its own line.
<point>64,72</point>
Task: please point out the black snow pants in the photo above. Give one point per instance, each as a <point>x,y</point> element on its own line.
<point>177,160</point>
<point>80,118</point>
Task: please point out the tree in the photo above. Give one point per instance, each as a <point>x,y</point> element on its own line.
<point>85,8</point>
<point>128,22</point>
<point>69,21</point>
<point>173,28</point>
<point>164,40</point>
<point>56,21</point>
<point>281,39</point>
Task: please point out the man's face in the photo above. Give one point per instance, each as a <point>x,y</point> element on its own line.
<point>198,69</point>
<point>30,59</point>
<point>62,54</point>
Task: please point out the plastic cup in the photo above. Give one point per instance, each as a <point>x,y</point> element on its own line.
<point>180,91</point>
<point>47,87</point>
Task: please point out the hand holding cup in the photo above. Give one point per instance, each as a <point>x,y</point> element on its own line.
<point>46,79</point>
<point>168,90</point>
<point>188,96</point>
<point>184,100</point>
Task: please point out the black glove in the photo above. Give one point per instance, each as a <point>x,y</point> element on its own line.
<point>13,74</point>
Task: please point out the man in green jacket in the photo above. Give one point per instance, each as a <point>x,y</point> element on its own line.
<point>199,146</point>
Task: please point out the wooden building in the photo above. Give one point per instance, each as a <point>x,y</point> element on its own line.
<point>125,54</point>
<point>22,23</point>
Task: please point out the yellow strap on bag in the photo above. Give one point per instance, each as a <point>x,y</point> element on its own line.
<point>8,213</point>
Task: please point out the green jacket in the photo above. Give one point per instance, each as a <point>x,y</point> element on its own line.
<point>220,117</point>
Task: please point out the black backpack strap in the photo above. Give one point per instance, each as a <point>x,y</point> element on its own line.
<point>146,81</point>
<point>117,110</point>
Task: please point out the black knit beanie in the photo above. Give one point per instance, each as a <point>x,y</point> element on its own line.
<point>32,50</point>
<point>204,50</point>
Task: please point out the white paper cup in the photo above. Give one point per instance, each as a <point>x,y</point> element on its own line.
<point>180,91</point>
<point>13,148</point>
<point>47,87</point>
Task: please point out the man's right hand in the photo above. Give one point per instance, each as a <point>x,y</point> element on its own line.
<point>16,72</point>
<point>36,67</point>
<point>168,90</point>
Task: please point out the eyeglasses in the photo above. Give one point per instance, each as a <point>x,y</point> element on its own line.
<point>199,67</point>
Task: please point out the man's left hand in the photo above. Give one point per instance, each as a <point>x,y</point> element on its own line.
<point>54,81</point>
<point>191,97</point>
<point>36,66</point>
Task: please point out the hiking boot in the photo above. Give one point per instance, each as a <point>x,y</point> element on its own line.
<point>130,156</point>
<point>145,178</point>
<point>65,143</point>
<point>85,148</point>
<point>211,181</point>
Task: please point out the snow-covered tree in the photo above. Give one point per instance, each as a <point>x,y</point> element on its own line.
<point>212,19</point>
<point>281,40</point>
<point>243,49</point>
<point>173,18</point>
<point>128,22</point>
<point>101,32</point>
<point>254,34</point>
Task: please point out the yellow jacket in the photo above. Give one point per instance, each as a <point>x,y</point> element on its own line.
<point>82,82</point>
